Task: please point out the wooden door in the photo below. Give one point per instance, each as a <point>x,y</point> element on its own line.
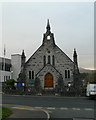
<point>48,81</point>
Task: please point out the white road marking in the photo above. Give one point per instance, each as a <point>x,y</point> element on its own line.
<point>38,107</point>
<point>51,108</point>
<point>75,108</point>
<point>48,115</point>
<point>89,109</point>
<point>63,108</point>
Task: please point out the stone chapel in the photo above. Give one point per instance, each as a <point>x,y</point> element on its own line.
<point>50,64</point>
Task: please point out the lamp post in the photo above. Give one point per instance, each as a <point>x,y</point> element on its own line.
<point>4,64</point>
<point>69,85</point>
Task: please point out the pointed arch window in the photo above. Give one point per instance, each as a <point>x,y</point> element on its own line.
<point>68,73</point>
<point>44,60</point>
<point>32,74</point>
<point>48,59</point>
<point>29,74</point>
<point>53,60</point>
<point>65,73</point>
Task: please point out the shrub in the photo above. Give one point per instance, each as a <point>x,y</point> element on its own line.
<point>10,83</point>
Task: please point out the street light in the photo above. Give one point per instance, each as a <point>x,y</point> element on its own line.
<point>69,85</point>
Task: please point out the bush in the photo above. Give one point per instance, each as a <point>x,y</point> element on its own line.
<point>10,83</point>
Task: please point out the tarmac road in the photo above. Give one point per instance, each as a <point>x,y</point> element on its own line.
<point>56,107</point>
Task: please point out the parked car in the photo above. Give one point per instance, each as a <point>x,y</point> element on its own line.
<point>91,90</point>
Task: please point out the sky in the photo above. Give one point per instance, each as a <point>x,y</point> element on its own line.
<point>24,23</point>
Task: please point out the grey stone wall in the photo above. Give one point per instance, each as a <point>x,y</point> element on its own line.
<point>62,63</point>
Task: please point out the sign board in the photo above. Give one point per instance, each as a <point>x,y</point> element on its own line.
<point>15,84</point>
<point>19,84</point>
<point>31,82</point>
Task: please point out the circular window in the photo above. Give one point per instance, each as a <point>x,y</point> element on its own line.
<point>48,37</point>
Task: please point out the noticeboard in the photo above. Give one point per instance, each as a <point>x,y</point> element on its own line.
<point>19,84</point>
<point>31,82</point>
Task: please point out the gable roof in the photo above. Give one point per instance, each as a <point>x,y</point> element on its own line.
<point>33,55</point>
<point>50,66</point>
<point>64,53</point>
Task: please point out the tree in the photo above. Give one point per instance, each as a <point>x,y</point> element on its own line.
<point>88,77</point>
<point>37,84</point>
<point>93,78</point>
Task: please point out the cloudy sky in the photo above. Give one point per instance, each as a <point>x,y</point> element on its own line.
<point>23,25</point>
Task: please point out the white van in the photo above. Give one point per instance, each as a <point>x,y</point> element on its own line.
<point>91,90</point>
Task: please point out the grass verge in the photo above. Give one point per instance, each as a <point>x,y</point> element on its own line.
<point>5,112</point>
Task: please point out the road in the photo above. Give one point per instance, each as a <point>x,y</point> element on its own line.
<point>57,107</point>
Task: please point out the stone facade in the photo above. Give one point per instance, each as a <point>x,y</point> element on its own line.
<point>50,61</point>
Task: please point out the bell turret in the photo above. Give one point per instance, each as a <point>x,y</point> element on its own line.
<point>48,37</point>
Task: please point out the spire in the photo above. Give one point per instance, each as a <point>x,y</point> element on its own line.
<point>75,54</point>
<point>23,54</point>
<point>75,57</point>
<point>48,26</point>
<point>23,59</point>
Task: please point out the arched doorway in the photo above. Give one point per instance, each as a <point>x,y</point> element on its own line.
<point>48,80</point>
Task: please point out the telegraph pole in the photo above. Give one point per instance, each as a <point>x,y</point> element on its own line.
<point>4,63</point>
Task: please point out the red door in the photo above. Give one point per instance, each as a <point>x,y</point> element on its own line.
<point>48,81</point>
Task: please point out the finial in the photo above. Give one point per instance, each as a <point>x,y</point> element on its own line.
<point>23,54</point>
<point>74,49</point>
<point>22,51</point>
<point>48,25</point>
<point>75,53</point>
